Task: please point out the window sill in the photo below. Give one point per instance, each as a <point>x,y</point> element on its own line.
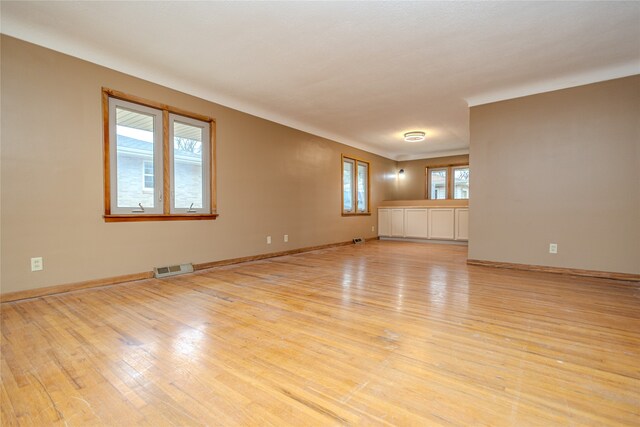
<point>356,214</point>
<point>159,217</point>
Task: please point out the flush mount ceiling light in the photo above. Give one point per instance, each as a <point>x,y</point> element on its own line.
<point>414,136</point>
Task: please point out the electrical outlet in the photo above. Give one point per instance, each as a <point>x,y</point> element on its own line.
<point>268,240</point>
<point>286,238</point>
<point>553,248</point>
<point>37,264</point>
<point>373,228</point>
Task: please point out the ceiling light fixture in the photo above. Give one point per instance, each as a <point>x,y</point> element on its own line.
<point>414,136</point>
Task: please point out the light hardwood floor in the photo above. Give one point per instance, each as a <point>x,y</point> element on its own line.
<point>386,333</point>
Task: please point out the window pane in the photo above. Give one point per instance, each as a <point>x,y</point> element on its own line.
<point>148,176</point>
<point>187,166</point>
<point>438,184</point>
<point>148,168</point>
<point>134,148</point>
<point>362,187</point>
<point>461,183</point>
<point>347,185</point>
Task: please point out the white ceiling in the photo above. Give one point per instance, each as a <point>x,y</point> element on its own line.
<point>360,73</point>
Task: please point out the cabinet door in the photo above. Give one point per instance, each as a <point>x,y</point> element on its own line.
<point>397,222</point>
<point>462,224</point>
<point>416,223</point>
<point>384,222</point>
<point>441,222</point>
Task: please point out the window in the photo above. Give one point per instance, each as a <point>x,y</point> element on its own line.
<point>347,185</point>
<point>438,183</point>
<point>461,182</point>
<point>137,131</point>
<point>144,141</point>
<point>363,187</point>
<point>189,176</point>
<point>355,186</point>
<point>147,176</point>
<point>448,182</point>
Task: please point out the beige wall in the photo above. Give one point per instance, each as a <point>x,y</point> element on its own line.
<point>561,167</point>
<point>412,186</point>
<point>272,180</point>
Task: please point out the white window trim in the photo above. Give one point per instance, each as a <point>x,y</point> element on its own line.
<point>354,184</point>
<point>157,158</point>
<point>446,182</point>
<point>366,187</point>
<point>206,166</point>
<point>453,182</point>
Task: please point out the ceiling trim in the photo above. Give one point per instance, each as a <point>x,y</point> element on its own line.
<point>580,79</point>
<point>77,48</point>
<point>433,154</point>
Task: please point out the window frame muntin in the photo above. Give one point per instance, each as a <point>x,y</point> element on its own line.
<point>110,216</point>
<point>355,161</point>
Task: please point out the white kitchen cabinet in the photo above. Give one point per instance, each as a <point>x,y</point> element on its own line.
<point>397,222</point>
<point>424,223</point>
<point>416,223</point>
<point>441,223</point>
<point>462,224</point>
<point>384,222</point>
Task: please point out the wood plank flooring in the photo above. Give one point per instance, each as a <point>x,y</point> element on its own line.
<point>386,333</point>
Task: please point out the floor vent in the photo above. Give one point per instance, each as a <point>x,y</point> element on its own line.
<point>173,270</point>
<point>358,240</point>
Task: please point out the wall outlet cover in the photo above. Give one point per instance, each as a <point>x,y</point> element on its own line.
<point>37,264</point>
